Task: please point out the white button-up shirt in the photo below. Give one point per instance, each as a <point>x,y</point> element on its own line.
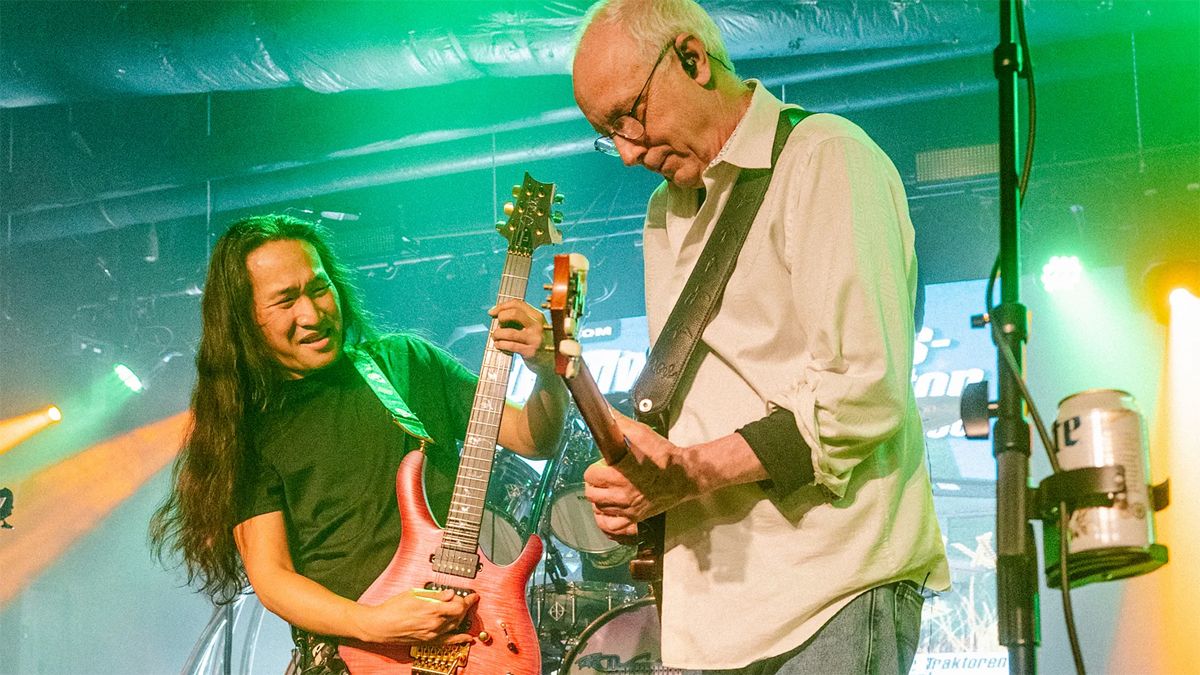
<point>818,319</point>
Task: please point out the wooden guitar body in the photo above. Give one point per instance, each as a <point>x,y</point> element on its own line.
<point>501,596</point>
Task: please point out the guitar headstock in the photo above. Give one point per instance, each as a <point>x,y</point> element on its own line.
<point>531,217</point>
<point>567,295</point>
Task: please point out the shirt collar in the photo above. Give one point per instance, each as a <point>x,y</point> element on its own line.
<point>749,146</point>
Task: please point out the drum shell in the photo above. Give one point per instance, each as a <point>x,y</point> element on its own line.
<point>507,508</point>
<point>573,605</point>
<point>570,513</point>
<point>624,639</point>
<point>572,521</point>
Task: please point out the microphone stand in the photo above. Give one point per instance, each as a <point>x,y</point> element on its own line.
<point>1016,568</point>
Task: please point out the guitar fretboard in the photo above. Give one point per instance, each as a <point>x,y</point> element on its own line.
<point>479,449</point>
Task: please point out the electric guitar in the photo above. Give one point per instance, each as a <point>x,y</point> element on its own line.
<point>432,559</point>
<point>567,295</point>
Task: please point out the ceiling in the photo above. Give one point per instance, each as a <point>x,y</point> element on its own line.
<point>133,132</point>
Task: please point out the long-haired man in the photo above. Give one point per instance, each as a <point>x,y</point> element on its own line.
<point>287,477</point>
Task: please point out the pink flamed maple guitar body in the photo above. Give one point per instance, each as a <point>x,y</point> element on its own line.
<point>501,595</point>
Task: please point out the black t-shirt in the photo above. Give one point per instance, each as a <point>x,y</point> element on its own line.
<point>326,455</point>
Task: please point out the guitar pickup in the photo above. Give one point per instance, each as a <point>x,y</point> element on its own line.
<point>458,563</point>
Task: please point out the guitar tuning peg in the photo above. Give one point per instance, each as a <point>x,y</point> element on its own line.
<point>516,191</point>
<point>547,287</point>
<point>559,198</point>
<point>557,217</point>
<point>501,223</point>
<point>570,348</point>
<point>546,304</point>
<point>508,208</point>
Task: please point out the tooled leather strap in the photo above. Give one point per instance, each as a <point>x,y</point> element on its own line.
<point>672,360</point>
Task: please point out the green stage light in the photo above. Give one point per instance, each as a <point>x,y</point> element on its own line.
<point>127,377</point>
<point>1062,273</point>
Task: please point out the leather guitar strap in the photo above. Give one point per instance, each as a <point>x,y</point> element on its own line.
<point>673,360</point>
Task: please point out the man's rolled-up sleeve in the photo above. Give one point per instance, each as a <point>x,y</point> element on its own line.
<point>850,248</point>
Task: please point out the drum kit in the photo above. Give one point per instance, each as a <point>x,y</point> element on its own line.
<point>590,615</point>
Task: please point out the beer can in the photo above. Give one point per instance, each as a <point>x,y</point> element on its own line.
<point>1095,428</point>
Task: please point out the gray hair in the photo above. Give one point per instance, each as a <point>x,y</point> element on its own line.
<point>653,23</point>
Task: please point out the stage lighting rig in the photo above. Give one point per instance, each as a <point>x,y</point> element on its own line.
<point>1164,278</point>
<point>1061,273</point>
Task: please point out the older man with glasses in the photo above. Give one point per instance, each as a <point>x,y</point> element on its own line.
<point>800,535</point>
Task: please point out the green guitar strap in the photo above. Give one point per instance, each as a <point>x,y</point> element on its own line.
<point>387,395</point>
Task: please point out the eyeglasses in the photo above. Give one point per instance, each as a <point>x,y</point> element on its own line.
<point>628,126</point>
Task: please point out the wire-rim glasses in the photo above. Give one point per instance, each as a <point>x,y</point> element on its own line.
<point>628,126</point>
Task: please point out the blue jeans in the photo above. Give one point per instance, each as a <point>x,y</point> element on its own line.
<point>876,634</point>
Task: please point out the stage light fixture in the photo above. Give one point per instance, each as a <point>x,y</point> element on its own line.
<point>1179,296</point>
<point>1170,283</point>
<point>1062,273</point>
<point>16,430</point>
<point>128,378</point>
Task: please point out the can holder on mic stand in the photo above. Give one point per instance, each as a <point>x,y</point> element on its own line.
<point>1087,488</point>
<point>1116,552</point>
<point>1109,507</point>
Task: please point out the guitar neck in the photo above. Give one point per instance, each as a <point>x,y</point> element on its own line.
<point>597,414</point>
<point>483,428</point>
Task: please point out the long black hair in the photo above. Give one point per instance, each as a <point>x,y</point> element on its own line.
<point>237,375</point>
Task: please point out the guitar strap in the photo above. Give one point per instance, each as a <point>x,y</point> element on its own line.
<point>387,395</point>
<point>673,360</point>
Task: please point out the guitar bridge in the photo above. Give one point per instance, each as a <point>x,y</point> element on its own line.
<point>438,659</point>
